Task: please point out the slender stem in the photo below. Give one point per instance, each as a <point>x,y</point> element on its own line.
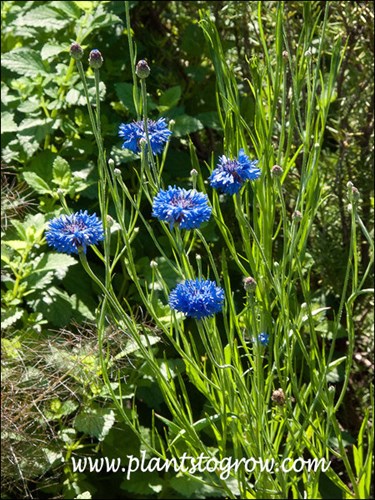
<point>132,61</point>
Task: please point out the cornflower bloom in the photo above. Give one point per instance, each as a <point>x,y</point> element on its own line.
<point>197,298</point>
<point>230,174</point>
<point>263,338</point>
<point>187,208</point>
<point>68,233</point>
<point>158,133</point>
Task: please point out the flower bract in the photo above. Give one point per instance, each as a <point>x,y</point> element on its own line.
<point>187,208</point>
<point>68,233</point>
<point>197,298</point>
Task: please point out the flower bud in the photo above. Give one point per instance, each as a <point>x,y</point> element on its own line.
<point>76,51</point>
<point>142,69</point>
<point>95,59</point>
<point>110,221</point>
<point>285,54</point>
<point>278,397</point>
<point>111,163</point>
<point>153,264</point>
<point>355,193</point>
<point>249,284</point>
<point>297,216</point>
<point>193,173</point>
<point>142,143</point>
<point>276,171</point>
<point>117,172</point>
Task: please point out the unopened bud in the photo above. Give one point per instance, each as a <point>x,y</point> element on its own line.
<point>297,216</point>
<point>355,193</point>
<point>249,283</point>
<point>117,172</point>
<point>76,51</point>
<point>153,264</point>
<point>308,52</point>
<point>285,54</point>
<point>142,69</point>
<point>278,397</point>
<point>277,171</point>
<point>193,173</point>
<point>111,163</point>
<point>95,59</point>
<point>349,184</point>
<point>142,143</point>
<point>110,221</point>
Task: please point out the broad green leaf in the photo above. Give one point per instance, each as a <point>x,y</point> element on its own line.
<point>61,172</point>
<point>170,97</point>
<point>85,495</point>
<point>16,244</point>
<point>59,409</point>
<point>124,93</point>
<point>11,316</point>
<point>210,119</point>
<point>50,50</point>
<point>96,423</point>
<point>191,487</point>
<point>85,6</point>
<point>7,122</point>
<point>6,97</point>
<point>120,442</point>
<point>76,96</point>
<point>23,61</point>
<point>54,262</point>
<point>54,304</point>
<point>43,16</point>
<point>67,8</point>
<point>193,41</point>
<point>30,105</point>
<point>185,125</point>
<point>37,183</point>
<point>143,482</point>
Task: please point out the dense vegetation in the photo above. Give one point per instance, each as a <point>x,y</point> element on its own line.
<point>293,83</point>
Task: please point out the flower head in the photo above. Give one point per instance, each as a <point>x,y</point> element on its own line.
<point>68,233</point>
<point>186,207</point>
<point>95,59</point>
<point>197,298</point>
<point>158,133</point>
<point>142,69</point>
<point>229,175</point>
<point>249,283</point>
<point>76,51</point>
<point>263,338</point>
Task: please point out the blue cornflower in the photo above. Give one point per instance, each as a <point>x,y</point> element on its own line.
<point>68,233</point>
<point>263,338</point>
<point>197,298</point>
<point>158,133</point>
<point>186,207</point>
<point>229,175</point>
